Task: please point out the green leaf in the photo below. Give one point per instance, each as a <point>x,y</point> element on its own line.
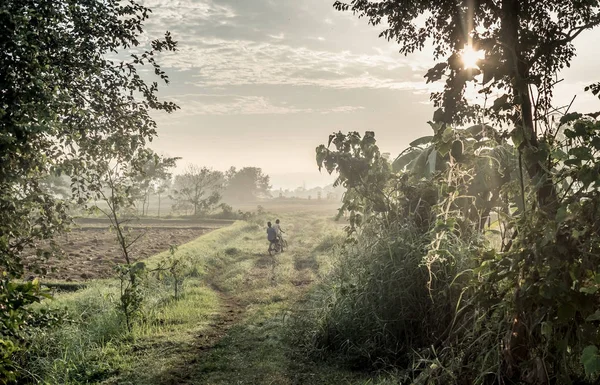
<point>561,214</point>
<point>517,137</point>
<point>594,317</point>
<point>570,117</point>
<point>422,140</point>
<point>589,290</point>
<point>590,360</point>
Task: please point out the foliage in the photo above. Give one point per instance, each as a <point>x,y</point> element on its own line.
<point>66,104</point>
<point>525,46</point>
<point>362,171</point>
<point>17,321</point>
<point>245,185</point>
<point>154,177</point>
<point>116,185</point>
<point>198,188</point>
<point>525,310</point>
<point>174,268</point>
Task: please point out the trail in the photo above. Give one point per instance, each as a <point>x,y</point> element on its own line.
<point>244,341</point>
<point>231,313</point>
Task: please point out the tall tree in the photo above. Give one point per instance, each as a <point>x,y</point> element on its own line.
<point>154,173</point>
<point>199,188</point>
<point>246,184</point>
<point>525,43</point>
<point>66,104</point>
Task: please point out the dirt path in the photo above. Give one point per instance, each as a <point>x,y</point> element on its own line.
<point>231,313</point>
<point>245,339</point>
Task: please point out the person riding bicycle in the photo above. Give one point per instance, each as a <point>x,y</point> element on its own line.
<point>279,233</point>
<point>271,233</point>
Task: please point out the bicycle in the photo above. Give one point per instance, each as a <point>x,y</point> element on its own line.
<point>283,243</point>
<point>274,248</point>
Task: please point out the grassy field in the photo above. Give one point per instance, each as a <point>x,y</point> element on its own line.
<point>229,327</point>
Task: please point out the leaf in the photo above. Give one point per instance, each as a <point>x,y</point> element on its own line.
<point>431,161</point>
<point>561,214</point>
<point>438,115</point>
<point>589,290</point>
<point>570,117</point>
<point>422,140</point>
<point>590,360</point>
<point>403,160</point>
<point>501,103</point>
<point>517,137</point>
<point>436,73</point>
<point>594,317</point>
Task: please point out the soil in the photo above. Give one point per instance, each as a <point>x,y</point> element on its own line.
<point>91,250</point>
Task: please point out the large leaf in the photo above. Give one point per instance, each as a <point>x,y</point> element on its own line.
<point>404,159</point>
<point>591,360</point>
<point>421,141</point>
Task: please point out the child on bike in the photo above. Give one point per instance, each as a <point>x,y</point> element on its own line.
<point>278,230</point>
<point>271,233</point>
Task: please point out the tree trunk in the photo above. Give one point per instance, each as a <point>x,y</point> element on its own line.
<point>519,71</point>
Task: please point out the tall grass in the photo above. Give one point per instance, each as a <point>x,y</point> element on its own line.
<point>82,349</point>
<point>377,308</point>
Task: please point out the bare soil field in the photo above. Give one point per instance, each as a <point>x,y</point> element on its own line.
<point>90,251</point>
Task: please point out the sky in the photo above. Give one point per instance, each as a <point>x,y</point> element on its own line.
<point>263,82</point>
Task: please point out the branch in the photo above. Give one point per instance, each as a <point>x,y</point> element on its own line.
<point>569,37</point>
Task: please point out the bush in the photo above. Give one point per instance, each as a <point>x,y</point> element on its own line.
<point>378,307</point>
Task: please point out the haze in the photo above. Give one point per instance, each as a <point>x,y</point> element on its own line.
<point>262,83</point>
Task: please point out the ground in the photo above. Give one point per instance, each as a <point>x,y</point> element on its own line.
<point>233,324</point>
<point>90,250</point>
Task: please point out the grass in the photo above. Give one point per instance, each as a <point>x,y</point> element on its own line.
<point>229,327</point>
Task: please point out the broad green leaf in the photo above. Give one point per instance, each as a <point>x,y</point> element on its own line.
<point>594,317</point>
<point>590,360</point>
<point>422,140</point>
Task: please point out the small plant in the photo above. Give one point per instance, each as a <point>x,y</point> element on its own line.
<point>131,277</point>
<point>115,187</point>
<point>177,267</point>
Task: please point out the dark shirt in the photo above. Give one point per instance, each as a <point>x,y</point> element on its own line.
<point>271,234</point>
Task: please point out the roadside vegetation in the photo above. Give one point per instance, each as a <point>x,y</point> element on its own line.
<point>472,258</point>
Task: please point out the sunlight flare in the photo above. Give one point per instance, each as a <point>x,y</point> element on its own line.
<point>470,56</point>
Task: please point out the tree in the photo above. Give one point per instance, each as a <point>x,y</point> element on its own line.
<point>246,185</point>
<point>163,187</point>
<point>66,103</point>
<point>525,45</point>
<point>155,173</point>
<point>199,188</point>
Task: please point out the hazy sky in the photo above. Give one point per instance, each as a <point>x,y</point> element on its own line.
<point>263,82</point>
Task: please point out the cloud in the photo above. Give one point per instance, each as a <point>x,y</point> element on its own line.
<point>222,63</point>
<point>230,43</point>
<point>228,104</point>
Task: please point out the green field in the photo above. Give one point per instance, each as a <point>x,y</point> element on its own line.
<point>231,325</point>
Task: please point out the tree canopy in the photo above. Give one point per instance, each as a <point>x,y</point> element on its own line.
<point>246,184</point>
<point>72,101</point>
<point>526,43</point>
<point>199,188</point>
<point>66,102</point>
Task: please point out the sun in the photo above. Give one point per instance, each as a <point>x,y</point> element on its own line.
<point>470,56</point>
